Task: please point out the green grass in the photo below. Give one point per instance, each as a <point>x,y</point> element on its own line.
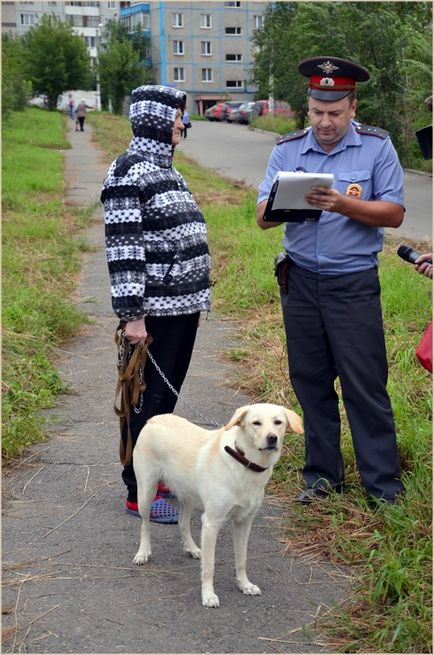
<point>40,263</point>
<point>388,550</point>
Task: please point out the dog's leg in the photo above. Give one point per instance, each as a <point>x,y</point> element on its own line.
<point>210,530</point>
<point>146,487</point>
<point>241,533</point>
<point>188,543</point>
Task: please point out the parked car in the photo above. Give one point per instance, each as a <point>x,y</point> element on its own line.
<point>230,106</point>
<point>280,108</point>
<point>242,113</point>
<point>215,113</point>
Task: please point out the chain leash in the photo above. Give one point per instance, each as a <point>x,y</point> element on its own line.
<point>138,408</point>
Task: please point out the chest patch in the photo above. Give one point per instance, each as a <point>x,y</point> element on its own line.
<point>354,190</point>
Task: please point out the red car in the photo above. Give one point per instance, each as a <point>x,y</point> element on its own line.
<point>280,108</point>
<point>216,112</point>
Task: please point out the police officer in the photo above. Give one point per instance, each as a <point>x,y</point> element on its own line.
<point>331,307</point>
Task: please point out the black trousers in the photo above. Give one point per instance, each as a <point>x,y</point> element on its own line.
<point>172,347</point>
<point>334,329</point>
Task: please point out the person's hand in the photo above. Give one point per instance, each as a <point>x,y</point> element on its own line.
<point>135,331</point>
<point>324,197</point>
<point>423,266</point>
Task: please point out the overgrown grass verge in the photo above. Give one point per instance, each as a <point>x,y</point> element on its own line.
<point>388,550</point>
<point>41,261</point>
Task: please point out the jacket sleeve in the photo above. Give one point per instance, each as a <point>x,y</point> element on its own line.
<point>125,249</point>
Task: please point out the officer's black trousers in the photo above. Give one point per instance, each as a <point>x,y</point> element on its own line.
<point>334,329</point>
<point>172,347</point>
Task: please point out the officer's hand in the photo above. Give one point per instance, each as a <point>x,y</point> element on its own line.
<point>135,331</point>
<point>323,197</point>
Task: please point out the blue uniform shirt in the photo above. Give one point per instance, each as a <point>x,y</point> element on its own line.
<point>337,244</point>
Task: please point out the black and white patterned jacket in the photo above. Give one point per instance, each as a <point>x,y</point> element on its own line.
<point>156,243</point>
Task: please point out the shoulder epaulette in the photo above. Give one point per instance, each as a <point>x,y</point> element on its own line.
<point>291,136</point>
<point>370,130</point>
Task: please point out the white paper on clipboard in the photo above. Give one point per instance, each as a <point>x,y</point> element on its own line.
<point>292,188</point>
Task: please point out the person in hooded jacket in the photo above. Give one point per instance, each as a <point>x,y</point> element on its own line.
<point>158,261</point>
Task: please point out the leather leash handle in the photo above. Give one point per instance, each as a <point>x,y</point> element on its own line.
<point>129,387</point>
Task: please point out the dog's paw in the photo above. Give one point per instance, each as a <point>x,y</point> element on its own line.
<point>210,600</point>
<point>249,589</point>
<point>193,552</point>
<point>141,558</point>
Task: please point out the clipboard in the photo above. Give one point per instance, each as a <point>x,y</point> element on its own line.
<point>286,201</point>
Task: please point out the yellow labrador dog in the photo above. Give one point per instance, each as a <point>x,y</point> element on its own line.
<point>224,471</point>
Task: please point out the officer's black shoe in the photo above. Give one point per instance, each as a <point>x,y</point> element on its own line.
<point>312,493</point>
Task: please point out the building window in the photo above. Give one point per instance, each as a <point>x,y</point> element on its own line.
<point>258,22</point>
<point>177,20</point>
<point>178,75</point>
<point>206,74</point>
<point>178,47</point>
<point>237,31</point>
<point>205,21</point>
<point>90,41</point>
<point>233,4</point>
<point>205,48</point>
<point>233,57</point>
<point>234,84</point>
<point>111,5</point>
<point>28,19</point>
<point>140,21</point>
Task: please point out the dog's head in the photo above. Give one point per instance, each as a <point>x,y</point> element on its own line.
<point>264,425</point>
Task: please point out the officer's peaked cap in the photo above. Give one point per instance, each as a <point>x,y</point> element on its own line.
<point>331,78</point>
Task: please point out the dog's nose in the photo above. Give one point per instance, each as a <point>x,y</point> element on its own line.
<point>271,441</point>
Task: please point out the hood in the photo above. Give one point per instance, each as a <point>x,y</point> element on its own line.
<point>152,114</point>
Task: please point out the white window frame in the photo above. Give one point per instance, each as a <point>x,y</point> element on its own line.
<point>178,48</point>
<point>234,84</point>
<point>233,5</point>
<point>206,75</point>
<point>205,21</point>
<point>177,19</point>
<point>238,31</point>
<point>258,22</point>
<point>237,58</point>
<point>28,19</point>
<point>206,48</point>
<point>179,74</point>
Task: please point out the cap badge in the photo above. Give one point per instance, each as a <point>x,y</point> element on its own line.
<point>328,67</point>
<point>327,81</point>
<point>354,190</point>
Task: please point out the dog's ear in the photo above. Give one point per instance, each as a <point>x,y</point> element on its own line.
<point>237,418</point>
<point>294,421</point>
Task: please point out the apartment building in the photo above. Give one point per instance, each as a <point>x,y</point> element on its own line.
<point>86,18</point>
<point>203,48</point>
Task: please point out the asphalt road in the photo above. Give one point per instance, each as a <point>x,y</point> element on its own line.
<point>242,154</point>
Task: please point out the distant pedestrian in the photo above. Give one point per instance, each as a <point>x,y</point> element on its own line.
<point>186,123</point>
<point>81,114</point>
<point>71,105</point>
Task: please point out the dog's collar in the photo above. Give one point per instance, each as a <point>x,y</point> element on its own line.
<point>239,456</point>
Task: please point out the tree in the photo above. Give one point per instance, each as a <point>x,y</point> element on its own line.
<point>121,68</point>
<point>15,88</point>
<point>55,59</point>
<point>391,39</point>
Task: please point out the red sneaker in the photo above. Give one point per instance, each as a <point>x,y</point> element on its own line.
<point>164,491</point>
